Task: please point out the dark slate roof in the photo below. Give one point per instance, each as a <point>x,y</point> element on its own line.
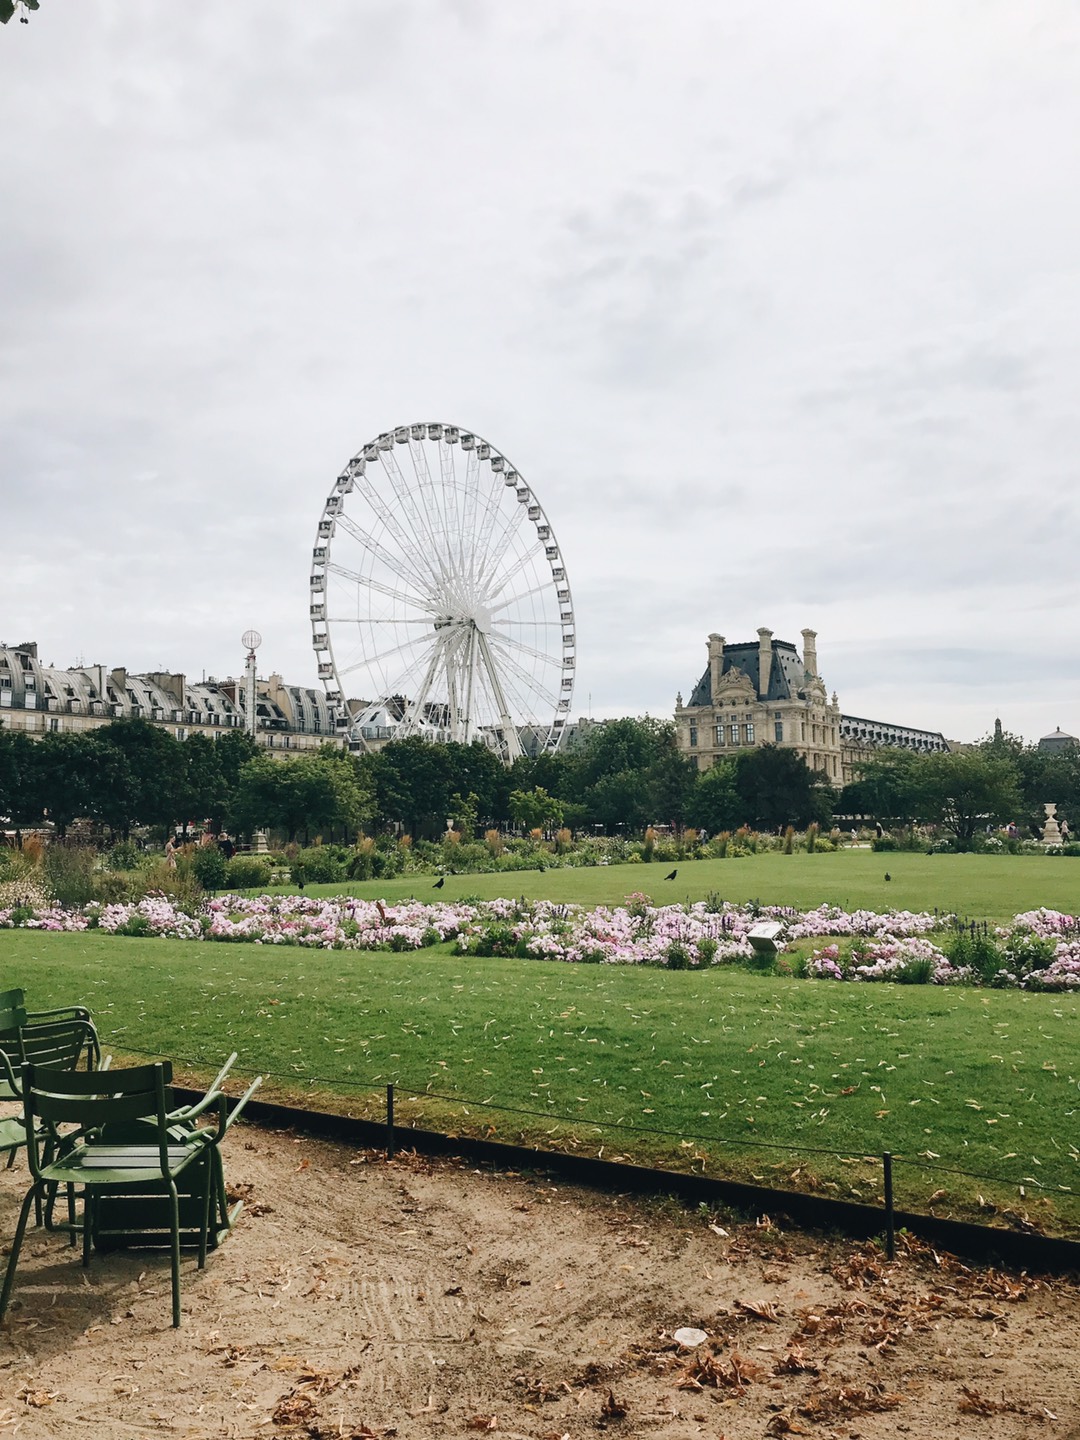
<point>786,678</point>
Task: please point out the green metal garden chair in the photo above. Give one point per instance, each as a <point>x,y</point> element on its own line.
<point>128,1146</point>
<point>16,1000</point>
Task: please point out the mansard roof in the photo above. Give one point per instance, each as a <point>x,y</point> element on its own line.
<point>787,677</point>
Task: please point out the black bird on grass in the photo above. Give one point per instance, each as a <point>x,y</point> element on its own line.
<point>887,875</point>
<point>300,882</point>
<point>672,875</point>
<point>439,883</point>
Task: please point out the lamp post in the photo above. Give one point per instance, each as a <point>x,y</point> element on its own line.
<point>251,639</point>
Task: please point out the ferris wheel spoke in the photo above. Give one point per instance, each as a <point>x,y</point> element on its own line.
<point>545,656</point>
<point>523,595</point>
<point>380,553</point>
<point>414,558</point>
<point>429,490</point>
<point>466,532</point>
<point>368,582</point>
<point>482,548</point>
<point>508,575</point>
<point>529,680</point>
<point>506,534</point>
<point>378,659</point>
<point>418,518</point>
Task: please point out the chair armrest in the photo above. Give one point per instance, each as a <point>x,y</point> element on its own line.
<point>7,1077</point>
<point>235,1111</point>
<point>63,1012</point>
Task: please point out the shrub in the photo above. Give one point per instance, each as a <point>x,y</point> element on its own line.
<point>180,883</point>
<point>319,865</point>
<point>120,887</point>
<point>361,864</point>
<point>884,842</point>
<point>70,873</point>
<point>1025,951</point>
<point>247,872</point>
<point>706,950</point>
<point>210,867</point>
<point>789,840</point>
<point>916,972</point>
<point>677,956</point>
<point>124,856</point>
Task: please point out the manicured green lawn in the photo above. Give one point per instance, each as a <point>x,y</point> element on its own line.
<point>986,1081</point>
<point>982,887</point>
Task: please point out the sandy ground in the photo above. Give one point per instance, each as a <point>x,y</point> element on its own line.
<point>358,1298</point>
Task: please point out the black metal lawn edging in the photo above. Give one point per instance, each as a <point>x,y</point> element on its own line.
<point>1014,1249</point>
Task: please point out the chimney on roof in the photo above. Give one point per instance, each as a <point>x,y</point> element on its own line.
<point>809,653</point>
<point>764,661</point>
<point>716,664</point>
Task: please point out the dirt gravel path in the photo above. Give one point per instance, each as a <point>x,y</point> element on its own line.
<point>360,1298</point>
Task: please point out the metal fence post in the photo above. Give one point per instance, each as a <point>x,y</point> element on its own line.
<point>890,1220</point>
<point>389,1122</point>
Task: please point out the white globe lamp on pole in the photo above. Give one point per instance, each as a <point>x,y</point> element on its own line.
<point>251,640</point>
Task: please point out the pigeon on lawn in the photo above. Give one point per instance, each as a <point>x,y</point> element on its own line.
<point>439,883</point>
<point>672,875</point>
<point>887,875</point>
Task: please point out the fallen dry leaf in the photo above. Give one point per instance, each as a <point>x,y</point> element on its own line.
<point>612,1409</point>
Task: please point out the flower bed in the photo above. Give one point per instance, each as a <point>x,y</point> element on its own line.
<point>1039,950</point>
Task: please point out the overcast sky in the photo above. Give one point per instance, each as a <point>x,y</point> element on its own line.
<point>775,306</point>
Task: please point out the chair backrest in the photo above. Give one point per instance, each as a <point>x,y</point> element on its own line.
<point>73,1097</point>
<point>12,1021</point>
<point>58,1044</point>
<point>12,1000</point>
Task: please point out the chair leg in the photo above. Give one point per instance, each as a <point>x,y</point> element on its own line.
<point>174,1206</point>
<point>204,1232</point>
<point>16,1246</point>
<point>89,1218</point>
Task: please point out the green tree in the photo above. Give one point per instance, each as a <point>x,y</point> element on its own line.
<point>777,787</point>
<point>413,784</point>
<point>204,795</point>
<point>715,804</point>
<point>670,783</point>
<point>887,787</point>
<point>619,746</point>
<point>60,777</point>
<point>157,771</point>
<point>967,789</point>
<point>17,776</point>
<point>313,793</point>
<point>535,809</point>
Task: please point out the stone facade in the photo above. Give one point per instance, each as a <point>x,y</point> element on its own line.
<point>767,694</point>
<point>37,698</point>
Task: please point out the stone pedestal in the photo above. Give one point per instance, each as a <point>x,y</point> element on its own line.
<point>259,845</point>
<point>1051,834</point>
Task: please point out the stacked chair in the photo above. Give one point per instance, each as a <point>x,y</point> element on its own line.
<point>145,1171</point>
<point>64,1039</point>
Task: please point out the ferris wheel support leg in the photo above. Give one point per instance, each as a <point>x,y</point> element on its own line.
<point>510,734</point>
<point>471,675</point>
<point>417,707</point>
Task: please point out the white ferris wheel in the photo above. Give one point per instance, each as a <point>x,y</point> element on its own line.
<point>440,605</point>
